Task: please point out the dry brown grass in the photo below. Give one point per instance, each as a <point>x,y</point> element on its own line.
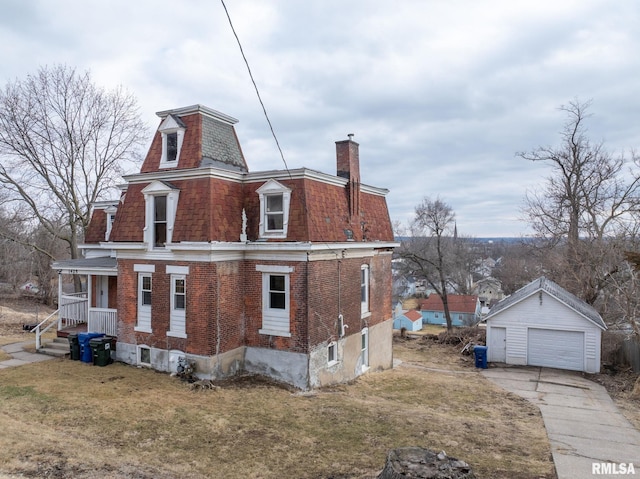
<point>64,418</point>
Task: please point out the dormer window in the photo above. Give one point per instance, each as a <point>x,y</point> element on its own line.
<point>161,200</point>
<point>159,221</point>
<point>111,217</point>
<point>275,212</point>
<point>275,199</point>
<point>172,130</point>
<point>172,146</point>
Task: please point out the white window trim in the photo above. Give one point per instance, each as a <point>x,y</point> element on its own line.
<point>110,212</point>
<point>144,268</point>
<point>144,310</point>
<point>365,309</point>
<point>153,189</point>
<point>277,316</point>
<point>335,361</point>
<point>272,187</point>
<point>169,125</point>
<point>173,269</point>
<point>177,317</point>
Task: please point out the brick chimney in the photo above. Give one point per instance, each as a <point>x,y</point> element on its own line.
<point>348,159</point>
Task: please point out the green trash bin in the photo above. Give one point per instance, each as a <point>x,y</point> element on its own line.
<point>74,346</point>
<point>101,349</point>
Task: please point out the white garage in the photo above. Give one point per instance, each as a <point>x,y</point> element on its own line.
<point>544,325</point>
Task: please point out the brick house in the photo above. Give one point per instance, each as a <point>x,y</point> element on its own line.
<point>285,273</point>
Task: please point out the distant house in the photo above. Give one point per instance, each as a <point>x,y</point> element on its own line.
<point>464,309</point>
<point>542,324</point>
<point>489,291</point>
<point>411,321</point>
<point>285,273</point>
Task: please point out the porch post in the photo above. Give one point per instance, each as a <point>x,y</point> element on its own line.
<point>89,299</point>
<point>59,299</point>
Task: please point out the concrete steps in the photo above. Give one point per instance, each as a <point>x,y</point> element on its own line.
<point>58,347</point>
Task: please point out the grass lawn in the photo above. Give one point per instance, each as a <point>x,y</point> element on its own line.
<point>64,418</point>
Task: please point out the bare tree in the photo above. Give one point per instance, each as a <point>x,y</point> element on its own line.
<point>431,252</point>
<point>63,144</point>
<point>588,203</point>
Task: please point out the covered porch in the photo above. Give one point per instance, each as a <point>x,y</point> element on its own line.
<point>93,308</point>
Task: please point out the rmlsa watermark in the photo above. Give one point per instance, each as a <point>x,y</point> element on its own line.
<point>613,468</point>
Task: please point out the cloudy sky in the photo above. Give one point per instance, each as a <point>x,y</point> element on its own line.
<point>441,95</point>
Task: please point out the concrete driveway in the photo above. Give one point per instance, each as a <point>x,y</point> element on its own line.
<point>584,426</point>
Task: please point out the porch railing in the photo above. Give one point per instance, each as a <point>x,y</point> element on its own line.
<point>44,326</point>
<point>103,320</point>
<point>73,309</point>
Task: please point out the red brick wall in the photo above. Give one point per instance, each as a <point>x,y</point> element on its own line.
<point>328,301</point>
<point>212,296</point>
<point>298,308</point>
<point>224,302</point>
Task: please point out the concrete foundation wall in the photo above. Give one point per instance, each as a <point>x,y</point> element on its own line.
<point>298,369</point>
<point>285,366</point>
<point>206,367</point>
<point>349,364</point>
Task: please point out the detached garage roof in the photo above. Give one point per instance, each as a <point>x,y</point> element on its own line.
<point>553,289</point>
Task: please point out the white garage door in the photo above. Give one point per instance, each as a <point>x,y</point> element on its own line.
<point>556,349</point>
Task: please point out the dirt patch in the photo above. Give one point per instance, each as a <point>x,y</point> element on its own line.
<point>15,312</point>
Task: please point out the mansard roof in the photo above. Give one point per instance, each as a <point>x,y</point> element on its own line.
<point>216,192</point>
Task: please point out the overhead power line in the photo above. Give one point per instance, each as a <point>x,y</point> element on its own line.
<point>255,86</point>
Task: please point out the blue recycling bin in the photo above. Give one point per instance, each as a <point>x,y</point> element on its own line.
<point>85,347</point>
<point>481,356</point>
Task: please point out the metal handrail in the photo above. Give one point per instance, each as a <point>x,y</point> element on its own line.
<point>40,332</point>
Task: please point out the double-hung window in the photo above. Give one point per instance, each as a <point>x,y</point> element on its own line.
<point>159,221</point>
<point>276,298</point>
<point>178,301</point>
<point>145,288</point>
<point>364,290</point>
<point>161,200</point>
<point>275,213</point>
<point>275,199</point>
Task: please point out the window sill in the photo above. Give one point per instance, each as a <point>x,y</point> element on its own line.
<point>332,363</point>
<point>365,314</point>
<point>271,332</point>
<point>177,335</point>
<point>142,330</point>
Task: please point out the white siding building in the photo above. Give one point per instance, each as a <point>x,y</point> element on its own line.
<point>544,325</point>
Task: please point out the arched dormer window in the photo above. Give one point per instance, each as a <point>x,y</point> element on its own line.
<point>275,199</point>
<point>172,130</point>
<point>161,202</point>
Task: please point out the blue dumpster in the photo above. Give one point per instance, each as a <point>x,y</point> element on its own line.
<point>481,356</point>
<point>85,347</point>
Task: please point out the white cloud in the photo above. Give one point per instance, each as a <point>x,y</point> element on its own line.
<point>440,95</point>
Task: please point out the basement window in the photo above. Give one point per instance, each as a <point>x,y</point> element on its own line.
<point>332,354</point>
<point>144,355</point>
